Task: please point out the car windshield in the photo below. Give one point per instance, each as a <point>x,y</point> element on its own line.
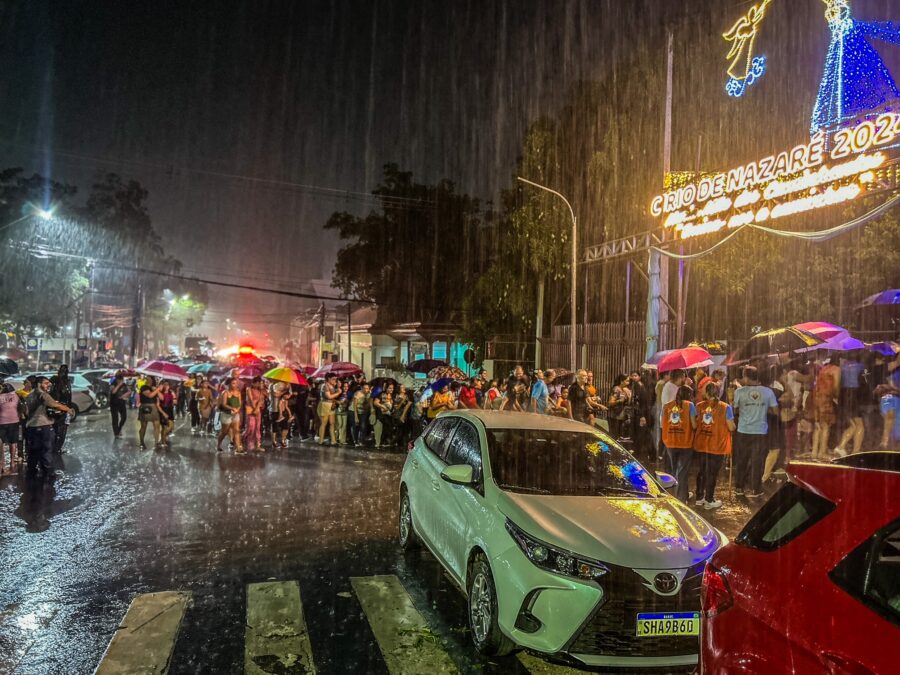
<point>555,462</point>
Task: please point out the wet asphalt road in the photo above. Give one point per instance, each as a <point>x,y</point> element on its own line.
<point>122,521</point>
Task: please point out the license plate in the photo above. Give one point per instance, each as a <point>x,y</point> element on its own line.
<point>675,623</point>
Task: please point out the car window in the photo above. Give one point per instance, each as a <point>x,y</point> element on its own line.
<point>791,511</point>
<point>465,448</point>
<point>439,433</point>
<point>871,572</point>
<point>556,462</point>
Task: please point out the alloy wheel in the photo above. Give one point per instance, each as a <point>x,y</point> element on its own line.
<point>480,607</point>
<point>405,521</point>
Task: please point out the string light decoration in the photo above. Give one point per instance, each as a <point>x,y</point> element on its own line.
<point>856,81</point>
<point>745,68</point>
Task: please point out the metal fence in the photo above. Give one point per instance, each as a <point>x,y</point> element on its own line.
<point>605,348</point>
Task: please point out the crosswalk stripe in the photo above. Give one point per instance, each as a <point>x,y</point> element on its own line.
<point>276,637</point>
<point>407,644</point>
<point>144,641</point>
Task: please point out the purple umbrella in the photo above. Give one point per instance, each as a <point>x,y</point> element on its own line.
<point>889,297</point>
<point>839,343</point>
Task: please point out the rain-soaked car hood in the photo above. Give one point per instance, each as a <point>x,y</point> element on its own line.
<point>641,533</point>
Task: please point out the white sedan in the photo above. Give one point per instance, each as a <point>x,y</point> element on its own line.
<point>563,543</point>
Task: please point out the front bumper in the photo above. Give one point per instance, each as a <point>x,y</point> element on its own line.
<point>591,623</point>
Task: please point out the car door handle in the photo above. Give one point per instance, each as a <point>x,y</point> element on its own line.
<point>415,464</point>
<point>435,484</point>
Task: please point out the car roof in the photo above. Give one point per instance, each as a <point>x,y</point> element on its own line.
<point>502,419</point>
<point>839,482</point>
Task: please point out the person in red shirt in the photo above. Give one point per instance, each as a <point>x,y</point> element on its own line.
<point>468,398</point>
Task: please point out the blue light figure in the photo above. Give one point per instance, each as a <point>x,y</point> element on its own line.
<point>856,80</point>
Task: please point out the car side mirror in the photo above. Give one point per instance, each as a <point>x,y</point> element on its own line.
<point>458,474</point>
<point>667,480</point>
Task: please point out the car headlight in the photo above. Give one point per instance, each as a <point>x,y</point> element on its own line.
<point>553,559</point>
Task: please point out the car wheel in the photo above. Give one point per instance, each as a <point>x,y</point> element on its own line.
<point>486,633</point>
<point>408,540</point>
<point>102,401</point>
<point>76,409</point>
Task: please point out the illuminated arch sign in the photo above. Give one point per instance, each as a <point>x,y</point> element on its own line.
<point>807,177</point>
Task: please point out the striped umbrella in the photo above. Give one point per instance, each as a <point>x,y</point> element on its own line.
<point>289,375</point>
<point>822,329</point>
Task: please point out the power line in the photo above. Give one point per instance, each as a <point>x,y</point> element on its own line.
<point>170,169</point>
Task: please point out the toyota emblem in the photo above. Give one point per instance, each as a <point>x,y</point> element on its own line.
<point>665,582</point>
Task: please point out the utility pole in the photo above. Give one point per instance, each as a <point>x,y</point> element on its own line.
<point>349,332</point>
<point>136,333</point>
<point>658,265</point>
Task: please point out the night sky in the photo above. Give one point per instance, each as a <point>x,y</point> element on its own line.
<point>225,110</point>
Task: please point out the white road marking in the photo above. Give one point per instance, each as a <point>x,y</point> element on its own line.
<point>276,640</point>
<point>407,644</point>
<point>144,641</point>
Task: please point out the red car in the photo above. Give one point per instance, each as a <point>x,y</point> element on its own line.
<point>812,583</point>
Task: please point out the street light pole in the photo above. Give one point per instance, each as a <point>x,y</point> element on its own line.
<point>573,296</point>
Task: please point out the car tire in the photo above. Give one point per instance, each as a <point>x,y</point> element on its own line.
<point>482,595</point>
<point>406,534</point>
<point>76,409</point>
<point>102,401</point>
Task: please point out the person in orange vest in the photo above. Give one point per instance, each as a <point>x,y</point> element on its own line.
<point>679,420</point>
<point>712,443</point>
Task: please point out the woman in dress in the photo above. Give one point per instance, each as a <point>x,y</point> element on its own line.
<point>254,400</point>
<point>165,401</point>
<point>148,411</point>
<point>230,416</point>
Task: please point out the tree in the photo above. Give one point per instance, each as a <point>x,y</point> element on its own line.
<point>415,255</point>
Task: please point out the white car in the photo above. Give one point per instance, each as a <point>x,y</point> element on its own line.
<point>83,396</point>
<point>563,543</point>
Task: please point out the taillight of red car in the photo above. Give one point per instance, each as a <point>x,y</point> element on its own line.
<point>715,597</point>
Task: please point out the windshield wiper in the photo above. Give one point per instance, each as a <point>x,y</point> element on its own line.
<point>626,491</point>
<point>506,486</point>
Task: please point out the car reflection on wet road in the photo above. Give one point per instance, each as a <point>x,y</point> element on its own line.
<point>123,522</point>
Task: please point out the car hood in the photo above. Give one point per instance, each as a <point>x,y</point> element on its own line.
<point>641,533</point>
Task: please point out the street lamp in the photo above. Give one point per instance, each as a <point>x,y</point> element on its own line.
<point>574,264</point>
<point>43,214</point>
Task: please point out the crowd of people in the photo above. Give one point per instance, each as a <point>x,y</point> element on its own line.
<point>759,415</point>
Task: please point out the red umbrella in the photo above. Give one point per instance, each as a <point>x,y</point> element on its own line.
<point>689,357</point>
<point>338,368</point>
<point>164,369</point>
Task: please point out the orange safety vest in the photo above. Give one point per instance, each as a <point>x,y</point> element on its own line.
<point>712,435</point>
<point>676,425</point>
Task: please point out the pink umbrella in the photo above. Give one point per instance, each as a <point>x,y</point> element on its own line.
<point>248,373</point>
<point>164,369</point>
<point>822,329</point>
<point>338,368</point>
<point>689,357</point>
